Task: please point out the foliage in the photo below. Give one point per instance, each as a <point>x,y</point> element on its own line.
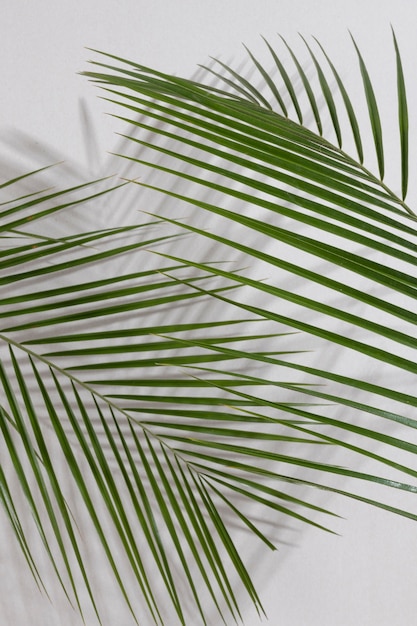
<point>173,388</point>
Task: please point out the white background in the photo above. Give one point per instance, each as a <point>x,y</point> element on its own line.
<point>368,576</point>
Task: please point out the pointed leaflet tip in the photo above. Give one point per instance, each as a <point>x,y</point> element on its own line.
<point>327,93</point>
<point>372,110</point>
<point>307,87</point>
<point>402,118</point>
<point>349,108</point>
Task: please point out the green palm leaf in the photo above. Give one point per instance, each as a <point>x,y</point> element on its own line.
<point>164,382</point>
<point>49,384</point>
<point>277,185</point>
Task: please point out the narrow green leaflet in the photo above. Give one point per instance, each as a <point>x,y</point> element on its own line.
<point>402,119</point>
<point>307,87</point>
<point>348,104</point>
<point>373,112</point>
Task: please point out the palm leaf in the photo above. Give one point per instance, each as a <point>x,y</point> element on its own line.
<point>61,327</point>
<point>163,383</point>
<point>277,186</point>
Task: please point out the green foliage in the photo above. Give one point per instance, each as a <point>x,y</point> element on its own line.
<point>162,381</point>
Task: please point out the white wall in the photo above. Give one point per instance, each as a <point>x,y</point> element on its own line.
<point>368,576</point>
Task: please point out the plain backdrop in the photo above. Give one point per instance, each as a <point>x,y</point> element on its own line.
<point>368,575</point>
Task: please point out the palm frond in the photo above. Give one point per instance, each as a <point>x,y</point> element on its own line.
<point>68,309</point>
<point>279,191</point>
<point>175,391</point>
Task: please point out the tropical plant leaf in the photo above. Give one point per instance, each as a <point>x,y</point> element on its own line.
<point>60,334</point>
<point>171,386</point>
<point>278,183</point>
